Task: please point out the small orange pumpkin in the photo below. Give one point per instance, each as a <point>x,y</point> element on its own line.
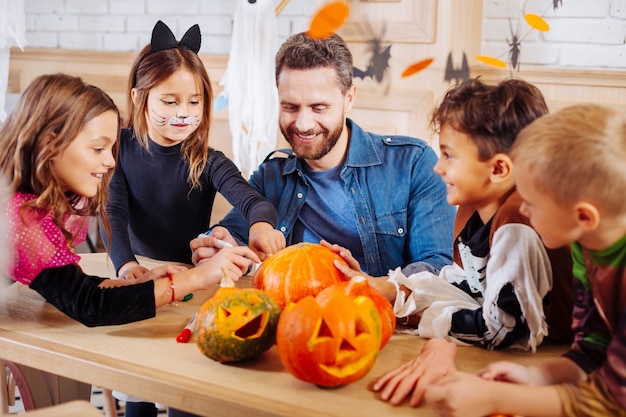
<point>329,341</point>
<point>360,286</point>
<point>298,271</point>
<point>236,324</point>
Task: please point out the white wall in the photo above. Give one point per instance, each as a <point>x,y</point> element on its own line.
<point>583,33</point>
<point>126,25</point>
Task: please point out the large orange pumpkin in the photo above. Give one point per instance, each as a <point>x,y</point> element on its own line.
<point>236,324</point>
<point>298,271</point>
<point>329,341</point>
<point>360,286</point>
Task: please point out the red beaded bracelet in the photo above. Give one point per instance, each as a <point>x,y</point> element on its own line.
<point>172,302</point>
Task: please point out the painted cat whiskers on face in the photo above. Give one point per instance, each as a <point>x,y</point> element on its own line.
<point>156,118</point>
<point>189,120</point>
<point>159,120</point>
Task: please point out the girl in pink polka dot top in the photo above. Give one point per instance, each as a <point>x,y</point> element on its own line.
<point>57,151</point>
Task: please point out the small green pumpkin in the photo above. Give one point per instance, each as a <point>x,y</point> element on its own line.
<point>236,324</point>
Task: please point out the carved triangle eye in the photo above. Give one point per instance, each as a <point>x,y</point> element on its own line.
<point>253,300</point>
<point>324,330</point>
<point>360,327</point>
<point>222,313</point>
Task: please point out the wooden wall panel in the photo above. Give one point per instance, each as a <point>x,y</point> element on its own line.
<point>563,87</point>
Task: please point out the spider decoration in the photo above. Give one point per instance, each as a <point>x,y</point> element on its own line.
<point>514,46</point>
<point>514,52</point>
<point>515,42</point>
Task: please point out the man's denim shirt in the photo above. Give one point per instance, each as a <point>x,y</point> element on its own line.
<point>399,203</point>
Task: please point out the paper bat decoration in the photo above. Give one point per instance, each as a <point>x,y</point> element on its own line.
<point>378,63</point>
<point>458,74</point>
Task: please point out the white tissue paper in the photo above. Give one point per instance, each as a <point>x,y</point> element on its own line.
<point>250,85</point>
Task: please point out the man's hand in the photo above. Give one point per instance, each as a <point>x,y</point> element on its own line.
<point>205,247</point>
<point>351,269</point>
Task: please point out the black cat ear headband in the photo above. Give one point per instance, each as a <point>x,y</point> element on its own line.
<point>163,38</point>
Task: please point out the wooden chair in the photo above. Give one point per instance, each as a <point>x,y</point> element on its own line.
<point>68,409</point>
<point>7,388</point>
<point>39,389</point>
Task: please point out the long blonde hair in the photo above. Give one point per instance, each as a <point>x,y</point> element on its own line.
<point>51,112</point>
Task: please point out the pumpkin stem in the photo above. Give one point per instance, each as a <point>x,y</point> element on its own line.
<point>355,282</point>
<point>226,282</point>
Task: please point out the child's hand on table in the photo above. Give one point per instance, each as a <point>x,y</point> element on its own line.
<point>131,270</point>
<point>149,275</point>
<point>460,394</point>
<point>436,360</point>
<point>508,372</point>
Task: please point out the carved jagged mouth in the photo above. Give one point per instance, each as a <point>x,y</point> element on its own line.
<point>254,328</point>
<point>347,360</point>
<point>350,369</point>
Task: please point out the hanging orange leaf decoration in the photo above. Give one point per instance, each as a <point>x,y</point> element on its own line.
<point>417,67</point>
<point>537,22</point>
<point>328,19</point>
<point>489,60</point>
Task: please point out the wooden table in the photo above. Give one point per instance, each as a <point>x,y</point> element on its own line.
<point>143,359</point>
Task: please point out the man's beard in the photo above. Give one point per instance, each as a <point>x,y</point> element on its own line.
<point>316,150</point>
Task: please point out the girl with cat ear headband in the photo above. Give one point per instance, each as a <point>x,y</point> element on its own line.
<point>167,176</point>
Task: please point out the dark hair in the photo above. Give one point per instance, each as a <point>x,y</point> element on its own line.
<point>302,52</point>
<point>491,115</point>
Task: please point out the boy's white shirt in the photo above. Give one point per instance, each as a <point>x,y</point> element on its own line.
<point>517,256</point>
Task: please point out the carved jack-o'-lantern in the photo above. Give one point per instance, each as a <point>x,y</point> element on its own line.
<point>236,324</point>
<point>297,271</point>
<point>360,286</point>
<point>331,341</point>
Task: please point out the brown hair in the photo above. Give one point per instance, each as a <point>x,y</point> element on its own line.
<point>302,52</point>
<point>577,154</point>
<point>149,70</point>
<point>51,112</point>
<point>491,116</point>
